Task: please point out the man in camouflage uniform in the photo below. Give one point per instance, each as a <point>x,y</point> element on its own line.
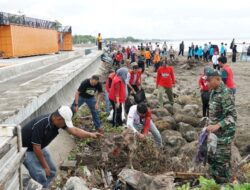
<point>222,120</point>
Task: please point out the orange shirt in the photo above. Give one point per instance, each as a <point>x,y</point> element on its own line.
<point>157,58</point>
<point>147,55</point>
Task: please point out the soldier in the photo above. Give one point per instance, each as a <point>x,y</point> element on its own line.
<point>222,120</point>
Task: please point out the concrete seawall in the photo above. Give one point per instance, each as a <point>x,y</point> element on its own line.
<point>45,93</point>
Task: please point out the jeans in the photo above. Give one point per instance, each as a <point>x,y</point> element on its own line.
<point>243,56</point>
<point>169,92</point>
<point>155,132</point>
<point>91,102</point>
<point>36,170</point>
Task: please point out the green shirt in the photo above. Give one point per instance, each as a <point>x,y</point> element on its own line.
<point>222,111</point>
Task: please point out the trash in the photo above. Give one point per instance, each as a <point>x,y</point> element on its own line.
<point>212,143</point>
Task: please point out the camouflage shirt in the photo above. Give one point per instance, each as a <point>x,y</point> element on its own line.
<point>222,111</point>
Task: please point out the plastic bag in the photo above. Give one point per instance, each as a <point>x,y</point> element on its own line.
<point>212,143</point>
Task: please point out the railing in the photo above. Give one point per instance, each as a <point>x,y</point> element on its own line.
<point>7,19</point>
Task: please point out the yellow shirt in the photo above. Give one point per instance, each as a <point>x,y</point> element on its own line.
<point>99,38</point>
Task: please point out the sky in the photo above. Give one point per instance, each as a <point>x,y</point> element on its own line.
<point>144,19</point>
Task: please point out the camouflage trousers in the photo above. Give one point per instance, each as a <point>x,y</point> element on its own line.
<point>219,164</point>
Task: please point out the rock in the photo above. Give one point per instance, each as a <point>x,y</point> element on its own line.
<point>141,181</point>
<point>75,183</point>
<point>184,100</point>
<point>155,92</point>
<point>176,108</point>
<point>187,119</point>
<point>187,131</point>
<point>32,185</point>
<point>189,149</point>
<point>149,96</point>
<point>171,121</point>
<point>236,157</point>
<point>173,139</point>
<point>162,125</point>
<point>154,117</point>
<point>161,112</point>
<point>170,108</point>
<point>153,103</point>
<point>149,89</point>
<point>68,165</point>
<point>191,109</point>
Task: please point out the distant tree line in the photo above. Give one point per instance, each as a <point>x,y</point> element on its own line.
<point>83,39</point>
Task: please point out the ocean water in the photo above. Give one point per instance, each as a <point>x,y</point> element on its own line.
<point>187,43</point>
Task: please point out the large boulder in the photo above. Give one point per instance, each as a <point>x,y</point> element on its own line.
<point>153,103</point>
<point>190,109</point>
<point>173,139</point>
<point>187,131</point>
<point>162,125</point>
<point>161,112</point>
<point>154,117</point>
<point>170,108</point>
<point>187,119</point>
<point>149,88</point>
<point>186,99</point>
<point>176,108</point>
<point>165,123</point>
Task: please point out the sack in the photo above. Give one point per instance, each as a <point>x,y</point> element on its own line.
<point>140,96</point>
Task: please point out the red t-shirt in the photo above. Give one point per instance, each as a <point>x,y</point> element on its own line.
<point>165,77</point>
<point>203,83</point>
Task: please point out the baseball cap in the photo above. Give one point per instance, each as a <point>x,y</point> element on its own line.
<point>212,73</point>
<point>66,114</point>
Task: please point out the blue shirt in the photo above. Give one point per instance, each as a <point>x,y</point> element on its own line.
<point>211,52</point>
<point>222,49</point>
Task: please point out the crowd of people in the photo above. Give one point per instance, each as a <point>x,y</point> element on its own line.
<point>125,78</point>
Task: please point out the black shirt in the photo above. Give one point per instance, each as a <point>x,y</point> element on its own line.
<point>39,131</point>
<point>87,90</point>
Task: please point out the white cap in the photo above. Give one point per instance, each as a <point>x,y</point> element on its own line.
<point>66,114</point>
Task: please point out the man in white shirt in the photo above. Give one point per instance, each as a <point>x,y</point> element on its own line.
<point>140,121</point>
<point>215,61</point>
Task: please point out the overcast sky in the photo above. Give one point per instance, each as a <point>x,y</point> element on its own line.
<point>145,19</point>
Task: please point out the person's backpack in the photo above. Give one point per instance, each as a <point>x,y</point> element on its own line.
<point>248,51</point>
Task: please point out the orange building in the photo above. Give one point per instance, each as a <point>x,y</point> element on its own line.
<point>24,36</point>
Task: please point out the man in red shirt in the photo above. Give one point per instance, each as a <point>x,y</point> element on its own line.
<point>227,74</point>
<point>164,82</point>
<point>205,94</point>
<point>118,58</point>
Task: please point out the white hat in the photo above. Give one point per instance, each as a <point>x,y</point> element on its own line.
<point>66,114</point>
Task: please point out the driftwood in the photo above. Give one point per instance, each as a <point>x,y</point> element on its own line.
<point>187,175</point>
